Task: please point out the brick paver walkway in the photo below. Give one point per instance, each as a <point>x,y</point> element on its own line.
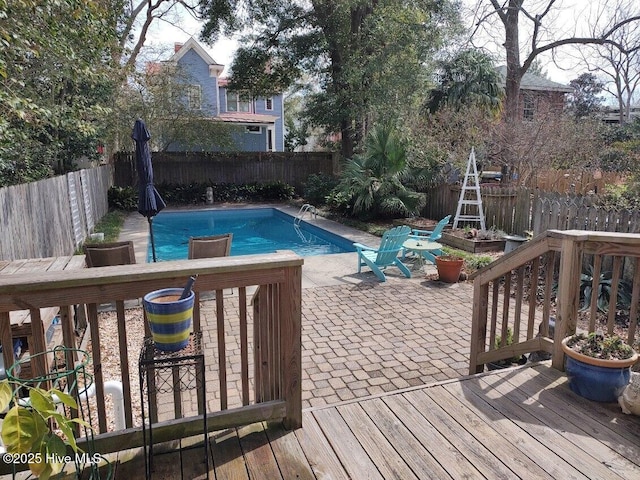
<point>370,338</point>
<point>362,339</point>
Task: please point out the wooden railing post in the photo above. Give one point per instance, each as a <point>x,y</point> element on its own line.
<point>478,325</point>
<point>290,317</point>
<point>568,295</point>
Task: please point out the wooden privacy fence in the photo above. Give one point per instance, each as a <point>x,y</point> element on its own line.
<point>292,168</point>
<point>569,181</point>
<point>52,217</point>
<point>547,271</point>
<point>276,339</point>
<point>516,210</point>
<point>505,208</point>
<point>575,212</point>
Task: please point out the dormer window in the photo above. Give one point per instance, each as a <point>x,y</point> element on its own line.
<point>238,102</point>
<point>194,96</point>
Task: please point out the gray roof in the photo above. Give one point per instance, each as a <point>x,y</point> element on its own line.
<point>534,82</point>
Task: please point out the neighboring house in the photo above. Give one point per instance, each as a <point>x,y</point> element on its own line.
<point>538,96</point>
<point>612,115</point>
<point>260,120</point>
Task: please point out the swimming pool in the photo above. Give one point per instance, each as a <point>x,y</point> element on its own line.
<point>255,230</point>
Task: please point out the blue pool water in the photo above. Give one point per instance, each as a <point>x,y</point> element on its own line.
<point>255,230</point>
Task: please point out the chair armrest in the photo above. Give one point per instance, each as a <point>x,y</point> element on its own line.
<point>415,232</point>
<point>360,247</point>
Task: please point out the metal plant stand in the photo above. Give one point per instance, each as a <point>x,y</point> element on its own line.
<point>164,376</point>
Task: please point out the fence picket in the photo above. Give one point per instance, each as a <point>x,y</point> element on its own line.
<point>44,218</point>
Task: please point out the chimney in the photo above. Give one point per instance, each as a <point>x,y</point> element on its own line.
<point>177,46</point>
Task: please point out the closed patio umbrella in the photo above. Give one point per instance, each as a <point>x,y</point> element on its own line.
<point>149,200</point>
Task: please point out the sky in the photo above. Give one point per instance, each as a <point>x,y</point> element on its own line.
<point>163,33</point>
<point>573,13</point>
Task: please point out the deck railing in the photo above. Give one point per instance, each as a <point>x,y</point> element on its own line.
<point>541,281</point>
<point>276,284</point>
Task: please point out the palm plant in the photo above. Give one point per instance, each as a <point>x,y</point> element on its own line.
<point>373,180</point>
<point>468,79</point>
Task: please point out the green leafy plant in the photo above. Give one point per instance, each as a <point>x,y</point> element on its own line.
<point>28,427</point>
<point>123,198</point>
<point>603,292</point>
<point>194,193</point>
<point>508,340</point>
<point>318,186</point>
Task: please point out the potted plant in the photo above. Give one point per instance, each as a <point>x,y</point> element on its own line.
<point>508,362</point>
<point>449,268</point>
<point>39,429</point>
<point>598,366</point>
<point>27,432</point>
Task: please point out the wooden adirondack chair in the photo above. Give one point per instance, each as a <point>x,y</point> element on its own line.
<point>386,255</point>
<point>430,235</point>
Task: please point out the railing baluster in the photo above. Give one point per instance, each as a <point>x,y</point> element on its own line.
<point>38,362</point>
<point>595,283</point>
<point>550,262</point>
<point>613,298</point>
<point>518,309</point>
<point>635,298</point>
<point>533,296</point>
<point>505,309</point>
<point>124,363</point>
<point>96,357</point>
<point>244,344</point>
<point>222,351</point>
<point>494,314</point>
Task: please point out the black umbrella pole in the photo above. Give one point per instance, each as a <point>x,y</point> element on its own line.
<point>153,245</point>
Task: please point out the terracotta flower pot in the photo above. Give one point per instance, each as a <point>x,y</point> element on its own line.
<point>449,268</point>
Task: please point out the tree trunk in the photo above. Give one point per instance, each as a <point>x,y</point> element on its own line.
<point>346,143</point>
<point>514,70</point>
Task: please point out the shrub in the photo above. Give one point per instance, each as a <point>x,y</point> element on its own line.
<point>195,193</point>
<point>318,187</point>
<point>123,198</point>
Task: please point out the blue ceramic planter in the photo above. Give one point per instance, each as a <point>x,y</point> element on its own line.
<point>600,384</point>
<point>596,379</point>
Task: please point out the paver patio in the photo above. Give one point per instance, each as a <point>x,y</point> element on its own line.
<point>359,336</point>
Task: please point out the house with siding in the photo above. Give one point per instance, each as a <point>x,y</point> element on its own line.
<point>259,121</point>
<point>538,96</point>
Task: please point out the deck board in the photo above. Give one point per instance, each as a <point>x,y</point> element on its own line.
<point>520,423</point>
<point>261,463</point>
<point>410,438</point>
<point>482,458</point>
<point>227,456</point>
<point>321,457</point>
<point>389,463</point>
<point>289,455</point>
<point>552,413</point>
<point>351,453</point>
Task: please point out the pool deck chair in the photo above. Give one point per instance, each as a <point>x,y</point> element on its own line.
<point>429,236</point>
<point>209,247</point>
<point>110,253</point>
<point>386,255</point>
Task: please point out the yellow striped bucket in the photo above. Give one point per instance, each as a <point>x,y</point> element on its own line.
<point>169,318</point>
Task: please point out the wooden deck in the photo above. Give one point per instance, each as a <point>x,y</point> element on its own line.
<point>522,423</point>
